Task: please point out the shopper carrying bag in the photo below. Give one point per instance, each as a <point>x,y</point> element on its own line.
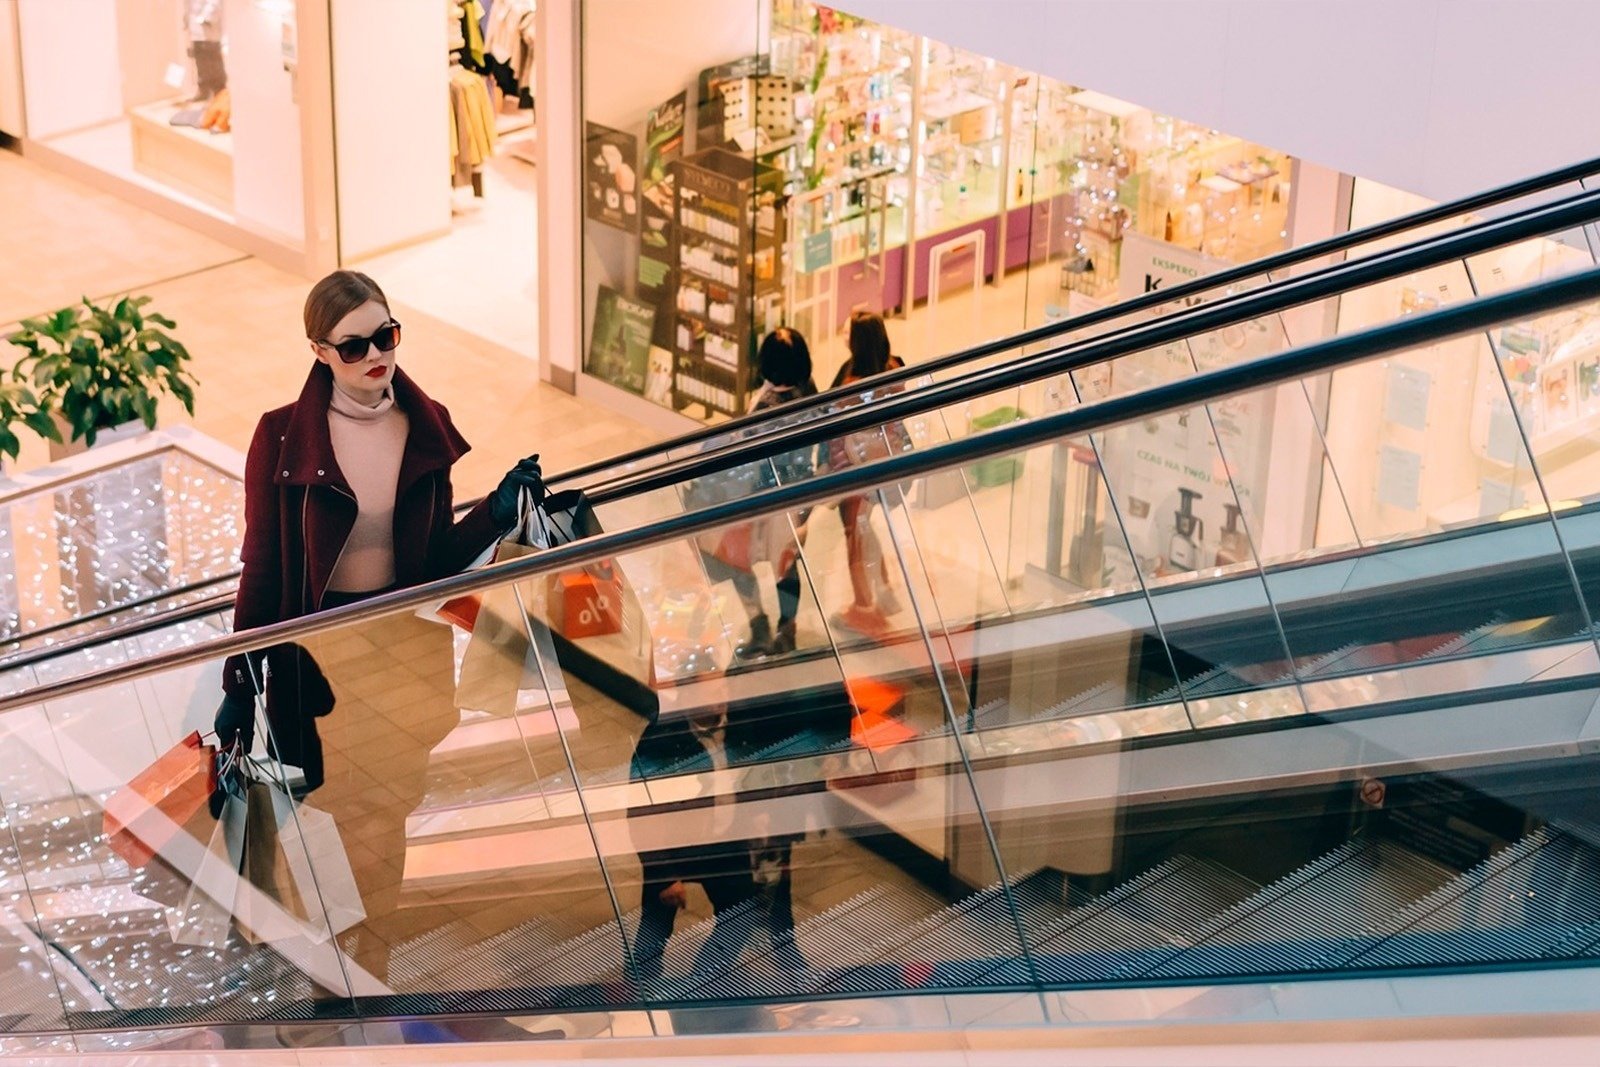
<point>348,494</point>
<point>731,553</point>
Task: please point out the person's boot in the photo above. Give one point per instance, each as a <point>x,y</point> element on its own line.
<point>783,640</point>
<point>760,639</point>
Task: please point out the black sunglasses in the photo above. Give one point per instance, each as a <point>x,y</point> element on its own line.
<point>355,349</point>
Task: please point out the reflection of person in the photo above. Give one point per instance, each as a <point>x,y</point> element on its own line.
<point>784,361</point>
<point>347,495</point>
<point>723,849</point>
<point>868,613</point>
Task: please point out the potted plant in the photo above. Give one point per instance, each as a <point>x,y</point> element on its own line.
<point>20,407</point>
<point>96,369</point>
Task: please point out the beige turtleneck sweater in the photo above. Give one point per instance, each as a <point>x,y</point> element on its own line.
<point>368,443</point>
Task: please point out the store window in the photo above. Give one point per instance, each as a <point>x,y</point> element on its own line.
<point>1461,425</point>
<point>195,99</point>
<point>751,163</point>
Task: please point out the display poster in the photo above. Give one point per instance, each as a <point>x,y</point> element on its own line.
<point>1400,477</point>
<point>663,143</point>
<point>1407,401</point>
<point>1177,482</point>
<point>619,346</point>
<point>611,174</point>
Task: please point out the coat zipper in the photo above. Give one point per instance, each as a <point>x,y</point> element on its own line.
<point>305,542</point>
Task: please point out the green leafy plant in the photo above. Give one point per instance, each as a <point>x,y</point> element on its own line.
<point>20,407</point>
<point>99,367</point>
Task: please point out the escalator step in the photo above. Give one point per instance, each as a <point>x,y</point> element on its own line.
<point>1131,926</point>
<point>1518,910</point>
<point>1294,921</point>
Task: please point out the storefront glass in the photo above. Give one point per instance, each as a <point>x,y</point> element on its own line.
<point>780,162</point>
<point>194,99</point>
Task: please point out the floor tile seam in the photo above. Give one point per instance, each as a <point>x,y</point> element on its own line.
<point>120,291</point>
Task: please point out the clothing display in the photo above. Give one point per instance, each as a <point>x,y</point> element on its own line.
<point>465,19</point>
<point>202,23</point>
<point>508,46</point>
<point>472,129</point>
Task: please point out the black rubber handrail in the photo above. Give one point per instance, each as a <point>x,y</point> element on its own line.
<point>1409,332</point>
<point>1230,310</point>
<point>1221,279</point>
<point>1235,308</point>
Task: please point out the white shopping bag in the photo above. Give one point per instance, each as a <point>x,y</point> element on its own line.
<point>320,868</point>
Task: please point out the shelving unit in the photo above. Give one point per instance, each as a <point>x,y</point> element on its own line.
<point>728,244</point>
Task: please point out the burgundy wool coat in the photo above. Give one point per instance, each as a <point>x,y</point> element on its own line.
<point>299,510</point>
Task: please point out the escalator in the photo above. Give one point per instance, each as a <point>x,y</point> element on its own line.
<point>996,825</point>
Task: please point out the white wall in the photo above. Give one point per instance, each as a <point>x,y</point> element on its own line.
<point>268,186</point>
<point>643,51</point>
<point>11,115</point>
<point>1440,97</point>
<point>71,70</point>
<point>392,116</point>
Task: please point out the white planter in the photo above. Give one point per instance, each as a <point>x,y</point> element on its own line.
<point>123,432</point>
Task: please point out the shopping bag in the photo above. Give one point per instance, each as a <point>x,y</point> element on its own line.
<point>511,646</point>
<point>582,605</point>
<point>770,538</point>
<point>203,914</point>
<point>507,634</point>
<point>143,815</point>
<point>320,867</point>
<point>268,907</point>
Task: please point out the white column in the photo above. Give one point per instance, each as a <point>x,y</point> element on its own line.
<point>557,71</point>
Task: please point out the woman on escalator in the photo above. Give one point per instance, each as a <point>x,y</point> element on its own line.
<point>348,495</point>
<point>874,599</point>
<point>784,362</point>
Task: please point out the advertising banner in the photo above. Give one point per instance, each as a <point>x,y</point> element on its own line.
<point>611,173</point>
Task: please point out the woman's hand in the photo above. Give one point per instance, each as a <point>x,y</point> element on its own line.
<point>236,720</point>
<point>526,475</point>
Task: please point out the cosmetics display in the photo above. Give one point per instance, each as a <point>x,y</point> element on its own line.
<point>867,147</point>
<point>728,235</point>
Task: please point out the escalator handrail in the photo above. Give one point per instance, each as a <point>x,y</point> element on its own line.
<point>1230,310</point>
<point>1291,257</point>
<point>1410,332</point>
<point>1235,308</point>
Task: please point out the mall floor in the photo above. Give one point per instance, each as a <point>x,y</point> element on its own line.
<point>240,318</point>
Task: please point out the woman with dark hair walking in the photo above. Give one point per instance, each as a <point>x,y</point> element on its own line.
<point>784,362</point>
<point>348,495</point>
<point>869,611</point>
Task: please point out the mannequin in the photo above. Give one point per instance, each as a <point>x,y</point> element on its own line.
<point>202,21</point>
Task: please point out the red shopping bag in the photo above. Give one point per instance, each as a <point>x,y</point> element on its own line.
<point>143,815</point>
<point>878,723</point>
<point>583,604</point>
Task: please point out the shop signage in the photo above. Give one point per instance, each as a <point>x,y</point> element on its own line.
<point>817,252</point>
<point>619,346</point>
<point>663,143</point>
<point>611,172</point>
<point>1178,476</point>
<point>1149,266</point>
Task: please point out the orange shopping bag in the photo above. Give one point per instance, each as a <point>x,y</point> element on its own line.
<point>143,815</point>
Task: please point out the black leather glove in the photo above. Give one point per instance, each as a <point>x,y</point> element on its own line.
<point>526,475</point>
<point>236,721</point>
